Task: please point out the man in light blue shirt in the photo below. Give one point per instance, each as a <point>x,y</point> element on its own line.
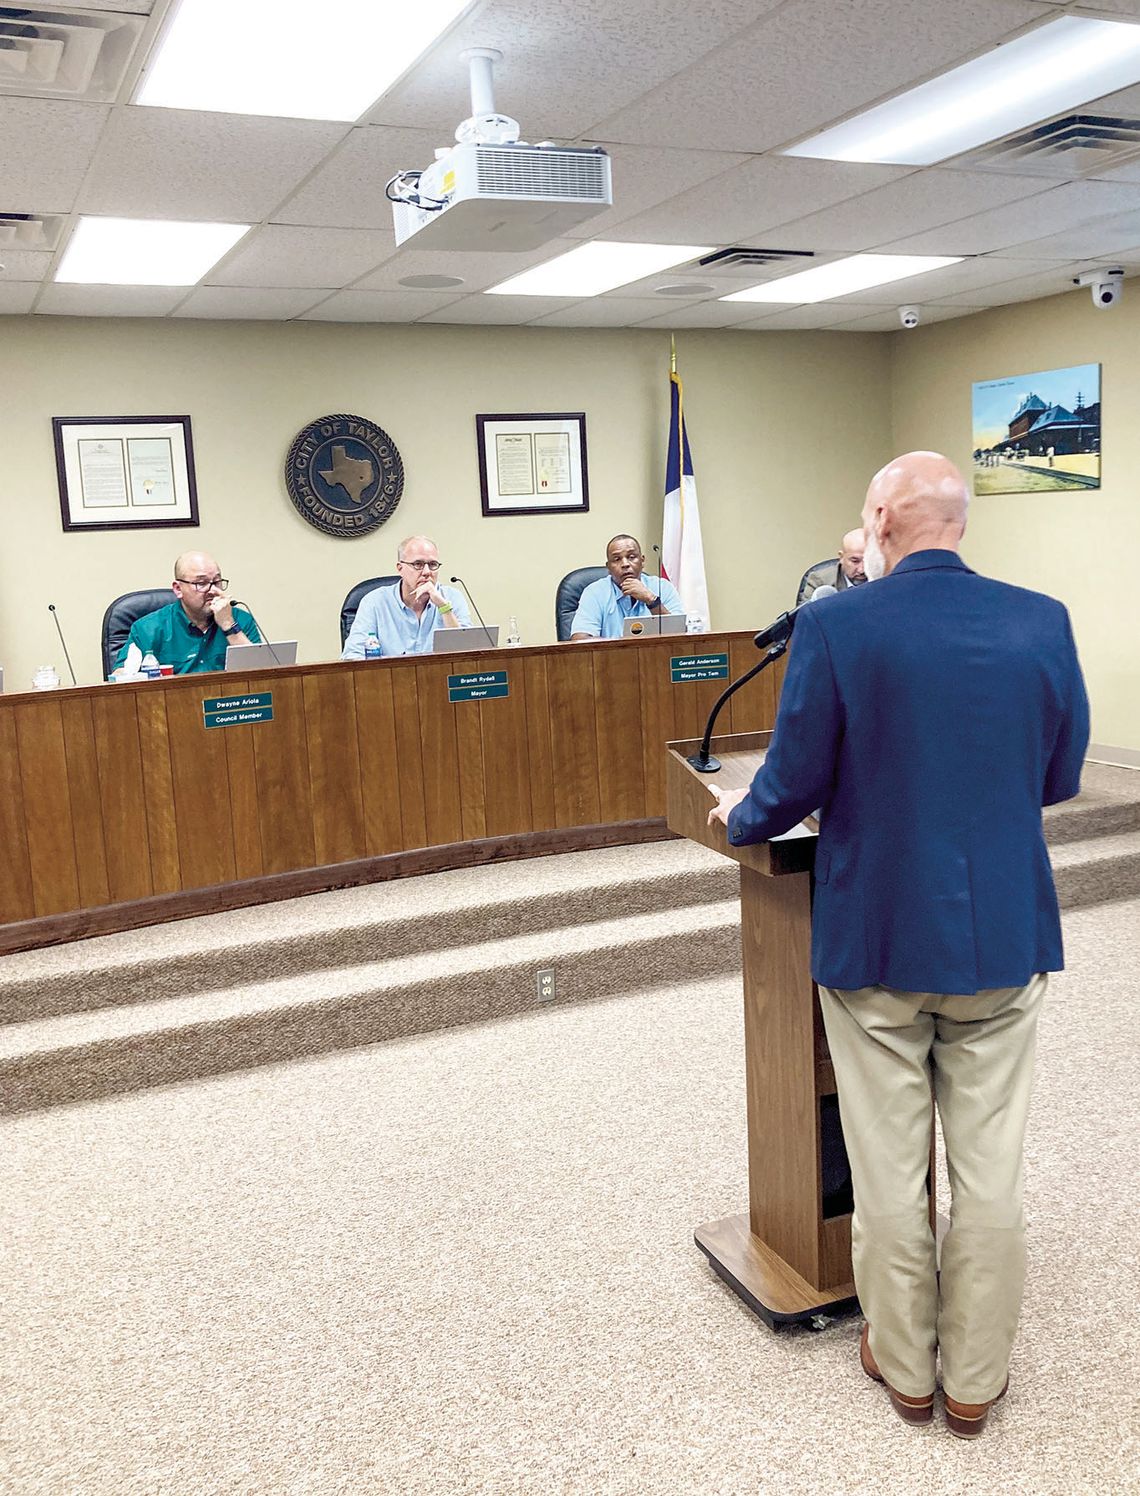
<point>626,593</point>
<point>405,614</point>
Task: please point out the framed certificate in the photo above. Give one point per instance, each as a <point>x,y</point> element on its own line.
<point>533,464</point>
<point>125,472</point>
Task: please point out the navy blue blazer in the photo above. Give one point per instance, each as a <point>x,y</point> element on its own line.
<point>931,715</point>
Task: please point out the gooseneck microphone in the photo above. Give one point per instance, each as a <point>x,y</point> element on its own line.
<point>775,639</point>
<point>473,603</point>
<point>63,641</point>
<point>660,576</point>
<point>235,603</point>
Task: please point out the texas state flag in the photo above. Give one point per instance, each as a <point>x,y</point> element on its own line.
<point>682,554</point>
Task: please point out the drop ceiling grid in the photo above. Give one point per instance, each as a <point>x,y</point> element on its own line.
<point>1047,212</point>
<point>378,306</point>
<point>48,145</point>
<point>302,258</point>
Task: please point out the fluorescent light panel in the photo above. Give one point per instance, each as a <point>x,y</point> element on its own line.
<point>145,252</point>
<point>841,277</point>
<point>325,61</point>
<point>599,266</point>
<point>1060,65</point>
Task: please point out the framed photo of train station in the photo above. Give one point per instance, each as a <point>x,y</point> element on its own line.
<point>1038,433</point>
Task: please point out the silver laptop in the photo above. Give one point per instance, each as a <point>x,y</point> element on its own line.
<point>463,641</point>
<point>261,656</point>
<point>656,623</point>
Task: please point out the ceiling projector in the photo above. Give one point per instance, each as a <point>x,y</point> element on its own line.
<point>492,191</point>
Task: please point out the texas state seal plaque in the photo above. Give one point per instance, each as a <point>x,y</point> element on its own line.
<point>344,475</point>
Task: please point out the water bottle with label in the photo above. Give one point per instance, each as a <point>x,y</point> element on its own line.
<point>150,666</point>
<point>694,623</point>
<point>45,679</point>
<point>513,635</point>
<point>372,650</point>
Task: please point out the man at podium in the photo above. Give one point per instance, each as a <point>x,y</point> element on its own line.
<point>931,715</point>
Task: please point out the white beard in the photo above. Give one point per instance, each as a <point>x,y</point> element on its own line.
<point>874,562</point>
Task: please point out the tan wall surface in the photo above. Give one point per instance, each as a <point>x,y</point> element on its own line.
<point>785,429</point>
<point>1078,546</point>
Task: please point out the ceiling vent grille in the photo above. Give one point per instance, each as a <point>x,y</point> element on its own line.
<point>733,261</point>
<point>27,231</point>
<point>579,175</point>
<point>60,54</point>
<point>1076,146</point>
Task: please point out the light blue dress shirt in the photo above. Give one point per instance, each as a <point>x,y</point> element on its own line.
<point>384,613</point>
<point>603,607</point>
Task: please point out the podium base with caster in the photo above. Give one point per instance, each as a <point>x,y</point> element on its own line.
<point>765,1282</point>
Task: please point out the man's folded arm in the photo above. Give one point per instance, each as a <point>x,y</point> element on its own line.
<point>796,777</point>
<point>1063,774</point>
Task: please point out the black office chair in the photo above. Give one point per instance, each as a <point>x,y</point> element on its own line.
<point>570,589</point>
<point>355,598</point>
<point>830,561</point>
<point>122,613</point>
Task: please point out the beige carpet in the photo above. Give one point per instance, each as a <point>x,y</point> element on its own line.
<point>463,1262</point>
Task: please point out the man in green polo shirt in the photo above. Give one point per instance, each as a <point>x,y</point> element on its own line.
<point>193,632</point>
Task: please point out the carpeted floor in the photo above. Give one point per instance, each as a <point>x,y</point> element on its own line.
<point>463,1262</point>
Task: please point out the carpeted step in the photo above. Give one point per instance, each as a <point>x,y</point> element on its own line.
<point>83,1056</point>
<point>1097,871</point>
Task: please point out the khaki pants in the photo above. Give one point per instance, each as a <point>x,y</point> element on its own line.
<point>890,1049</point>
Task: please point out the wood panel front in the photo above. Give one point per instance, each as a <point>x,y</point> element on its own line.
<point>118,794</point>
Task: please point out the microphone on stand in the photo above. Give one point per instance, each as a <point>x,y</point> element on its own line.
<point>660,575</point>
<point>235,603</point>
<point>473,603</point>
<point>63,641</point>
<point>783,626</point>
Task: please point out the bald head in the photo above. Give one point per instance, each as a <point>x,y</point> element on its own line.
<point>917,502</point>
<point>851,557</point>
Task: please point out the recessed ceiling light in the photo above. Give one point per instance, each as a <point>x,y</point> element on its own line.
<point>1066,62</point>
<point>431,282</point>
<point>598,266</point>
<point>302,62</point>
<point>841,277</point>
<point>683,288</point>
<point>145,252</point>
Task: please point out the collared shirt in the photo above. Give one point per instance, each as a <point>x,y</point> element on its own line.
<point>603,607</point>
<point>826,574</point>
<point>384,613</point>
<point>173,640</point>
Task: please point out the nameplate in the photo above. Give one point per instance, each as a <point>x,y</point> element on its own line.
<point>238,711</point>
<point>482,685</point>
<point>698,667</point>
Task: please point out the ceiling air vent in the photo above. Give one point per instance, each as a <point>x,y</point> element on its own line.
<point>61,54</point>
<point>28,231</point>
<point>737,259</point>
<point>1078,145</point>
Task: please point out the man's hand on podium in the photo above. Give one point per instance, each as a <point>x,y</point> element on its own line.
<point>726,800</point>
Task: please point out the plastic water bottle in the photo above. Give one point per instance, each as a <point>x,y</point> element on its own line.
<point>150,667</point>
<point>694,623</point>
<point>513,635</point>
<point>45,679</point>
<point>372,650</point>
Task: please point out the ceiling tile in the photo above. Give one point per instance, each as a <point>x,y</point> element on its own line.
<point>243,303</point>
<point>478,271</point>
<point>48,145</point>
<point>347,191</point>
<point>109,301</point>
<point>23,265</point>
<point>821,316</point>
<point>920,201</point>
<point>1055,281</point>
<point>564,66</point>
<point>321,259</point>
<point>132,7</point>
<point>1101,238</point>
<point>644,178</point>
<point>16,297</point>
<point>182,164</point>
<point>701,314</point>
<point>888,321</point>
<point>756,92</point>
<point>747,201</point>
<point>507,311</point>
<point>378,306</point>
<point>606,311</point>
<point>1021,222</point>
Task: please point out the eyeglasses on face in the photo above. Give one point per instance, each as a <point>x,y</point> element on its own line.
<point>432,566</point>
<point>221,583</point>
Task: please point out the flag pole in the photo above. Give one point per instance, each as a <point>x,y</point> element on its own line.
<point>672,354</point>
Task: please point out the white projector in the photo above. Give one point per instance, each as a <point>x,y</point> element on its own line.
<point>503,197</point>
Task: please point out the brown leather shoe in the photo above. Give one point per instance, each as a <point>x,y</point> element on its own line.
<point>967,1420</point>
<point>909,1409</point>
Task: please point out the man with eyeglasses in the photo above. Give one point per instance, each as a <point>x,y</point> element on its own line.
<point>193,632</point>
<point>405,614</point>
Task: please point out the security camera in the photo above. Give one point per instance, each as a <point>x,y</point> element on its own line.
<point>1107,285</point>
<point>909,316</point>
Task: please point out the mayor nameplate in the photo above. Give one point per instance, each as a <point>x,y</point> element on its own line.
<point>344,475</point>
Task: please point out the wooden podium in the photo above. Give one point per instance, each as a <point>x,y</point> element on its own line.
<point>789,1258</point>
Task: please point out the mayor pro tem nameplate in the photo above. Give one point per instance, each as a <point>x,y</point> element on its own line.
<point>238,711</point>
<point>698,667</point>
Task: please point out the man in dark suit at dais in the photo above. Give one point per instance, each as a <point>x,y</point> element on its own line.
<point>931,715</point>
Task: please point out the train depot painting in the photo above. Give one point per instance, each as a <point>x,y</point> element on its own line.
<point>1038,433</point>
